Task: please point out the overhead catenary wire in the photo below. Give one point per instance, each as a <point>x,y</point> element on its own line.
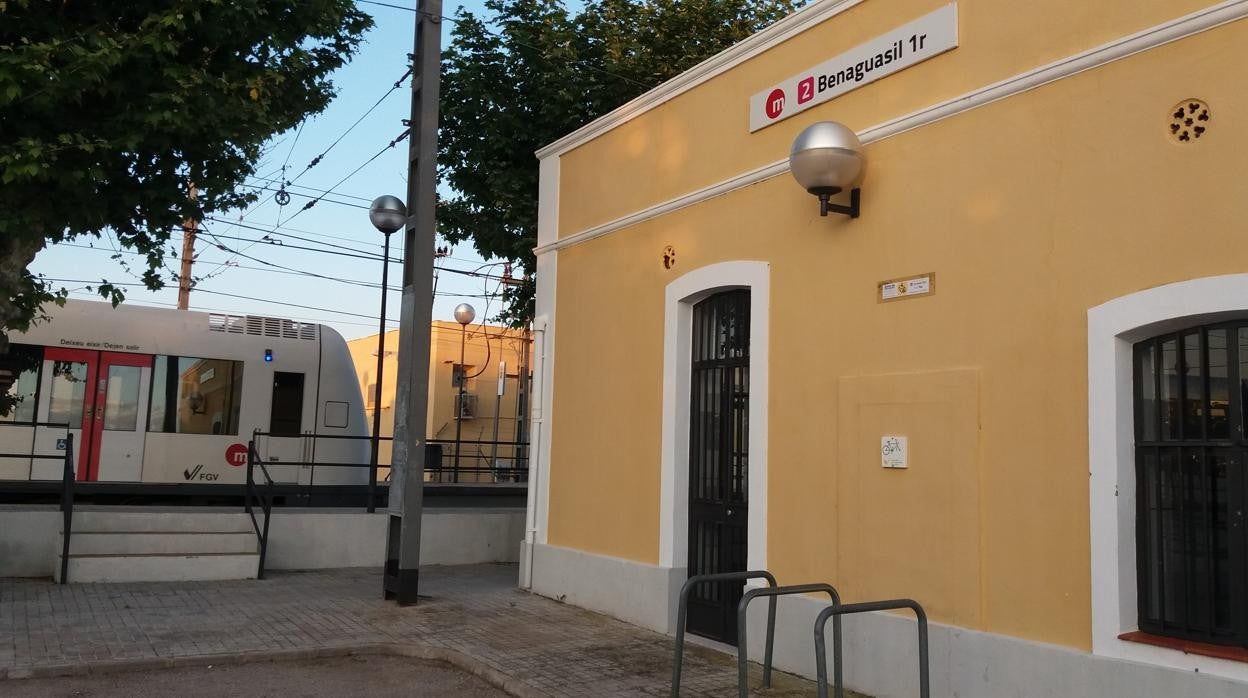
<point>303,272</point>
<point>321,156</point>
<point>397,139</point>
<point>462,272</point>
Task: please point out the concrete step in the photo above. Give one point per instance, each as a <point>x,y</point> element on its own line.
<point>160,542</point>
<point>163,521</point>
<point>160,568</point>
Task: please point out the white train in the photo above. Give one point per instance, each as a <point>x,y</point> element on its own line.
<point>173,396</point>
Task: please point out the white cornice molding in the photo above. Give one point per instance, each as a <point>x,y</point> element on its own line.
<point>1165,33</point>
<point>726,60</point>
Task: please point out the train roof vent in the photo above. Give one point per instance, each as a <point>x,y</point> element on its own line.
<point>233,324</point>
<point>262,326</point>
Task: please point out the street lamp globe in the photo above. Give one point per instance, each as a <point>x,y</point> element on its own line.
<point>827,158</point>
<point>387,213</point>
<point>465,314</point>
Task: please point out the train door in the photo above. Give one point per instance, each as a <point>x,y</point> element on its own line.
<point>120,420</point>
<point>287,443</point>
<point>102,396</point>
<point>67,375</point>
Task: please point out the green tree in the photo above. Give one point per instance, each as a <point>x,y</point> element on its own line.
<point>530,72</point>
<point>109,110</point>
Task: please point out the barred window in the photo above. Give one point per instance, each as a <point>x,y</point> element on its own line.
<point>1191,490</point>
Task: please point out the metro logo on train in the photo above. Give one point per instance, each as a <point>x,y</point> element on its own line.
<point>924,38</point>
<point>236,455</point>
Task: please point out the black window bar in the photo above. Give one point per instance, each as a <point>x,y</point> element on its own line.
<point>1190,389</point>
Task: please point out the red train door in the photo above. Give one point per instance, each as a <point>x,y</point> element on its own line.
<point>102,396</point>
<point>120,419</point>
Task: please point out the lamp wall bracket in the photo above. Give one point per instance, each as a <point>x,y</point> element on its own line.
<point>852,210</point>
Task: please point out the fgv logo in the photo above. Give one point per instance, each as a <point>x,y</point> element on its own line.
<point>775,103</point>
<point>236,455</point>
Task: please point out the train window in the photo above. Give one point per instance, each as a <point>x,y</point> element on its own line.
<point>69,387</point>
<point>286,419</point>
<point>121,405</point>
<point>25,361</point>
<point>195,396</point>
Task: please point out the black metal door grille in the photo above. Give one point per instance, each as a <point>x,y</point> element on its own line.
<point>718,458</point>
<point>1191,491</point>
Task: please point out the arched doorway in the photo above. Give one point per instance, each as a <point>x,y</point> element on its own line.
<point>718,457</point>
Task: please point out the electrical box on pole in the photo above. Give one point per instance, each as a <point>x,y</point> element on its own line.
<point>402,569</point>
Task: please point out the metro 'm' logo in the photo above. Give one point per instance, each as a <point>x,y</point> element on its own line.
<point>236,455</point>
<point>775,103</point>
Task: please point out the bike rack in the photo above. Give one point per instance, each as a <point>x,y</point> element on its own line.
<point>683,611</point>
<point>836,611</point>
<point>743,689</point>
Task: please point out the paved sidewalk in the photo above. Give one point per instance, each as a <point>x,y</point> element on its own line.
<point>545,646</point>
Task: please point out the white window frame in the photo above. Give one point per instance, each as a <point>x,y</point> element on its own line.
<point>1113,328</point>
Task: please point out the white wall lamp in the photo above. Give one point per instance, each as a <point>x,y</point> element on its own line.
<point>826,159</point>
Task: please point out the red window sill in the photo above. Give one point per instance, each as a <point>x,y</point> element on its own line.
<point>1204,649</point>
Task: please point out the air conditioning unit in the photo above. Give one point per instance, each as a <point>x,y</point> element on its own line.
<point>466,406</point>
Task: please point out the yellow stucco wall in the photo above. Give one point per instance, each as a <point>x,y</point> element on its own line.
<point>1029,210</point>
<point>701,137</point>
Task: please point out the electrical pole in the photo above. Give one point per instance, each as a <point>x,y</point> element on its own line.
<point>189,229</point>
<point>402,572</point>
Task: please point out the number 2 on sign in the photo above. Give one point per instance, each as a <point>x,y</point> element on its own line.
<point>805,90</point>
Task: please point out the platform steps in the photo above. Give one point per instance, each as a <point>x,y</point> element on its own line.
<point>165,546</point>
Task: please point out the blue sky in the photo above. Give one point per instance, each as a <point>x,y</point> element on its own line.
<point>380,62</point>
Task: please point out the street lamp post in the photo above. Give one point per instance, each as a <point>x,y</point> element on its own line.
<point>464,315</point>
<point>387,214</point>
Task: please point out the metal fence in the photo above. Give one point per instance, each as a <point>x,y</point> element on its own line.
<point>476,461</point>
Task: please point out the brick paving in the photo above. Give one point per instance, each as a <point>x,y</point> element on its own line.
<point>548,647</point>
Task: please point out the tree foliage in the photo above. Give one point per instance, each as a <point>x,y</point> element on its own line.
<point>530,72</point>
<point>109,110</point>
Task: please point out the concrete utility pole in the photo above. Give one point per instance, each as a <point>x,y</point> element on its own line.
<point>407,484</point>
<point>189,230</point>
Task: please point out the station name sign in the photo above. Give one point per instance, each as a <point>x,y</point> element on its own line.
<point>924,38</point>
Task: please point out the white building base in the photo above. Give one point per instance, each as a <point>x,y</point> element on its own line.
<point>881,653</point>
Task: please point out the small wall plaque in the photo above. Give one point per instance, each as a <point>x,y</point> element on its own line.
<point>894,452</point>
<point>907,287</point>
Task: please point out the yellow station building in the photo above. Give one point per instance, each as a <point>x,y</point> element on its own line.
<point>1013,389</point>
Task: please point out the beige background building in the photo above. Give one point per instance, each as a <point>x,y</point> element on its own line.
<point>486,349</point>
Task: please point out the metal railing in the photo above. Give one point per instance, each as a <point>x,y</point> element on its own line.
<point>465,461</point>
<point>682,614</point>
<point>265,500</point>
<point>372,469</point>
<point>743,687</point>
<point>836,611</point>
<point>67,505</point>
<point>833,612</point>
<point>67,484</point>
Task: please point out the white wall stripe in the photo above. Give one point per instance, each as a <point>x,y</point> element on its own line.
<point>1160,35</point>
